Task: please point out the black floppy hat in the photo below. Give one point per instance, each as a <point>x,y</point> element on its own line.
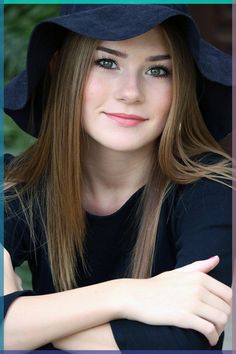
<point>119,22</point>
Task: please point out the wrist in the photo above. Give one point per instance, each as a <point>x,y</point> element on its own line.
<point>126,297</point>
<point>121,297</point>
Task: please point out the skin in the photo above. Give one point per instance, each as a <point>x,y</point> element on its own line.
<point>133,85</point>
<point>116,161</point>
<point>201,303</point>
<point>117,158</point>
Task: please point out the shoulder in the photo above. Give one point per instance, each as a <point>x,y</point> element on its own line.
<point>207,158</point>
<point>202,196</point>
<point>205,184</point>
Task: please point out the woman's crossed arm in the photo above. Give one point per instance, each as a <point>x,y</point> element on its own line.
<point>70,318</point>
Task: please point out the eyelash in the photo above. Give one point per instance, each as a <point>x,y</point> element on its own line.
<point>159,67</point>
<point>98,63</point>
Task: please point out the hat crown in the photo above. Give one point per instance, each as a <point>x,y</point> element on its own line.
<point>73,8</point>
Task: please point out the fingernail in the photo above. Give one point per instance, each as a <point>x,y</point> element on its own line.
<point>212,257</point>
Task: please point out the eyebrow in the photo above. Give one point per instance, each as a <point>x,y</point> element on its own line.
<point>124,55</point>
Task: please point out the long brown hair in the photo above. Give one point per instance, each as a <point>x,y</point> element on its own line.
<point>50,171</point>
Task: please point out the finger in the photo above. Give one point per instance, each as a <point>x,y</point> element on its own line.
<point>204,266</point>
<point>219,289</point>
<point>215,301</point>
<point>206,328</point>
<point>218,318</point>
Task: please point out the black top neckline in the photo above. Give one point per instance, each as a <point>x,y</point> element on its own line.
<point>132,199</point>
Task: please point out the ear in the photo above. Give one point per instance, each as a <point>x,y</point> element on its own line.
<point>53,64</point>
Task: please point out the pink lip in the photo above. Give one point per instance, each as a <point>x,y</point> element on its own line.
<point>127,120</point>
<point>126,116</point>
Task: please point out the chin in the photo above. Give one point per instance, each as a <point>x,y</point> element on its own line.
<point>122,143</point>
<point>128,146</point>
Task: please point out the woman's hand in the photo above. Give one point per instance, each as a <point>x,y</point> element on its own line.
<point>186,297</point>
<point>12,281</point>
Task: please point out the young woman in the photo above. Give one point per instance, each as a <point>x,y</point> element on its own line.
<point>122,207</point>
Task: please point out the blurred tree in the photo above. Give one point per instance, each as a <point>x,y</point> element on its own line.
<point>19,22</point>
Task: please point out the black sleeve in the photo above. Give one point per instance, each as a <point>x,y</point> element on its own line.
<point>17,243</point>
<point>201,227</point>
<point>9,298</point>
<point>16,238</point>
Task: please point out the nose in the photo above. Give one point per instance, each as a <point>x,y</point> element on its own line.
<point>129,88</point>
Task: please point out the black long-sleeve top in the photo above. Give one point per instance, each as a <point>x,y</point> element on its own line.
<point>195,223</point>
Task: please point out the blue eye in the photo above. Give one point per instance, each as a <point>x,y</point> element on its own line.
<point>106,63</point>
<point>159,71</point>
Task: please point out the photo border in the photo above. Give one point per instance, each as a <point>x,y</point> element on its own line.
<point>2,3</point>
<point>1,169</point>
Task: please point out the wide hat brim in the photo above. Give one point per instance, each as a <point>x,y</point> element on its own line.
<point>114,23</point>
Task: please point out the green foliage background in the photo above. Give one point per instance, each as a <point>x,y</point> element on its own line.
<point>19,22</point>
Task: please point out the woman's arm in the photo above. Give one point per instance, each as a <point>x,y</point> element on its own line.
<point>12,282</point>
<point>48,318</point>
<point>96,338</point>
<point>201,226</point>
<point>101,338</point>
<point>34,321</point>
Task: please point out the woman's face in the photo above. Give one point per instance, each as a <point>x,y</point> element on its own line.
<point>128,93</point>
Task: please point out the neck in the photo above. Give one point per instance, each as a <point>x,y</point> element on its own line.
<point>111,177</point>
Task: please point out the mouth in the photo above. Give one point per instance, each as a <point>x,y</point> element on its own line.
<point>126,120</point>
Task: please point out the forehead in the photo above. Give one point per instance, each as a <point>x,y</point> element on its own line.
<point>154,39</point>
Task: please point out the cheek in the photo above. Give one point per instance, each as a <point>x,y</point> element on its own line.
<point>95,89</point>
<point>91,90</point>
<point>162,100</point>
<point>94,96</point>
